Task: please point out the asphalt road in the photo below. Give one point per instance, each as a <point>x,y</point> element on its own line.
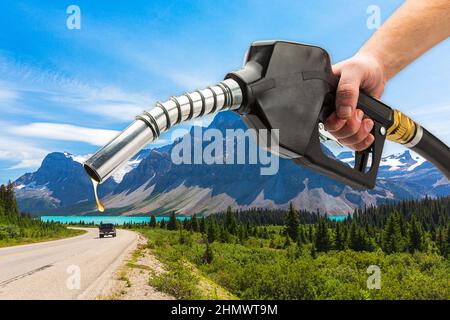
<point>72,268</point>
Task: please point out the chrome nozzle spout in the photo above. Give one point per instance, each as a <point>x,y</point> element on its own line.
<point>226,95</point>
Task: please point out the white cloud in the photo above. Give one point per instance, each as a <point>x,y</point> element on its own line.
<point>65,132</point>
<point>110,102</point>
<point>24,153</point>
<point>70,93</point>
<point>119,111</point>
<point>7,94</point>
<point>27,163</point>
<point>188,76</point>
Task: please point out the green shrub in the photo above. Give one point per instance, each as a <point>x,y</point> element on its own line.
<point>178,282</point>
<point>250,271</point>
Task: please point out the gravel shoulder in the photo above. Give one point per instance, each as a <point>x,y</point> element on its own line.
<point>131,280</point>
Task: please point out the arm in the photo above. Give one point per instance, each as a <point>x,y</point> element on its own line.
<point>414,28</point>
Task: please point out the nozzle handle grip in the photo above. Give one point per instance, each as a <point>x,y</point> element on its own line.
<point>364,171</point>
<point>366,163</point>
<point>375,109</point>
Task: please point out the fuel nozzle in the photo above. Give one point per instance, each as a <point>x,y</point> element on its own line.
<point>147,127</point>
<point>283,86</point>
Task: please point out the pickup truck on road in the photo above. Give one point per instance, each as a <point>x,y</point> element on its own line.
<point>106,229</point>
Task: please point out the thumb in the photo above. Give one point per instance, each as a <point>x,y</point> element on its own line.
<point>347,94</point>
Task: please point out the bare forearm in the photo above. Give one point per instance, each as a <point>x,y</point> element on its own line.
<point>414,28</point>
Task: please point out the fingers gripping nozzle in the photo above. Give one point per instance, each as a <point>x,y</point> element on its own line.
<point>148,126</point>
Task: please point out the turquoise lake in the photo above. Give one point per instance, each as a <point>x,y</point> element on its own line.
<point>119,220</point>
<point>337,218</point>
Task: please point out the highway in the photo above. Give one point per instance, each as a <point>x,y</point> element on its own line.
<point>71,268</point>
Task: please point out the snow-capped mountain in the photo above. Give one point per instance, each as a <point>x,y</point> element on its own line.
<point>62,182</point>
<point>152,183</point>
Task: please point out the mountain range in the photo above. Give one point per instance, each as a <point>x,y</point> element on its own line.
<point>152,183</point>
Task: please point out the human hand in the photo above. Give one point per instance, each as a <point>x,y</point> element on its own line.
<point>347,124</point>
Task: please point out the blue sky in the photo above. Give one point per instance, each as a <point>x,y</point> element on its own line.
<point>71,90</point>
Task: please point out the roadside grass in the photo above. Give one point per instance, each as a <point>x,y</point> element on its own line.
<point>181,278</point>
<point>123,277</point>
<point>68,233</point>
<point>263,270</point>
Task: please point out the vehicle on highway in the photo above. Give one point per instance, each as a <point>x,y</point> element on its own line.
<point>107,229</point>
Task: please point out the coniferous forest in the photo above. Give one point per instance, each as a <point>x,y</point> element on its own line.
<point>276,254</point>
<point>17,228</point>
<point>405,226</point>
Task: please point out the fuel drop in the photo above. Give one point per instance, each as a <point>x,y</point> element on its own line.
<point>100,206</point>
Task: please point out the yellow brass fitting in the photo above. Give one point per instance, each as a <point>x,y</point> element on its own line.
<point>402,130</point>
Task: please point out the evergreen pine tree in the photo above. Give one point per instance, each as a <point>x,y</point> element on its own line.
<point>447,251</point>
<point>152,221</point>
<point>339,240</point>
<point>8,198</point>
<point>224,235</point>
<point>241,233</point>
<point>365,242</point>
<point>353,239</point>
<point>310,233</point>
<point>202,225</point>
<point>186,223</point>
<point>301,236</point>
<point>208,255</point>
<point>173,222</point>
<point>416,238</point>
<point>402,224</point>
<point>345,234</point>
<point>292,223</point>
<point>211,231</point>
<point>247,230</point>
<point>194,223</point>
<point>2,209</point>
<point>392,236</point>
<point>313,251</point>
<point>230,222</point>
<point>2,194</point>
<point>441,241</point>
<point>322,240</point>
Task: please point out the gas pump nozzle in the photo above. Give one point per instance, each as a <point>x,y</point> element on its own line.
<point>147,127</point>
<point>286,86</point>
